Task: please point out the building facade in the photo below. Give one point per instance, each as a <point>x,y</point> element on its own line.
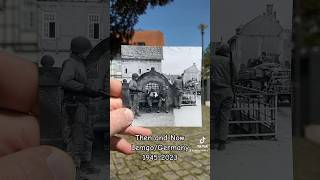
<point>18,28</point>
<point>136,59</point>
<point>60,21</point>
<point>147,38</point>
<point>262,37</point>
<point>192,74</point>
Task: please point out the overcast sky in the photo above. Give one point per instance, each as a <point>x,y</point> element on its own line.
<point>229,14</point>
<point>177,59</point>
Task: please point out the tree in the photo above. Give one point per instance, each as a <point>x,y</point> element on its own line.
<point>206,63</point>
<point>124,15</point>
<point>309,22</point>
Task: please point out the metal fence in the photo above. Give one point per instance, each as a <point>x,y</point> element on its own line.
<point>254,114</point>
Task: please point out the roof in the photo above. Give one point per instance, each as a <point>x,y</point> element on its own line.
<point>141,52</point>
<point>265,24</point>
<point>149,38</point>
<point>262,25</point>
<point>192,69</point>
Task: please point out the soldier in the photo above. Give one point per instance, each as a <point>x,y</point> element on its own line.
<point>151,97</point>
<point>163,100</point>
<point>78,132</point>
<point>126,94</point>
<point>224,74</point>
<point>178,84</point>
<point>134,94</point>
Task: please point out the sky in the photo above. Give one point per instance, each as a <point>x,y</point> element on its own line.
<point>229,14</point>
<point>174,56</point>
<point>179,22</point>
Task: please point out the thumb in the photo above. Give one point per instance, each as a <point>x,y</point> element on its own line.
<point>37,163</point>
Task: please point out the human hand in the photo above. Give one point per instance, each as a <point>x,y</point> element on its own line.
<point>21,156</point>
<point>120,121</point>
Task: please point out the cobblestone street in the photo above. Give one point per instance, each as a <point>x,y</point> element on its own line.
<point>193,165</point>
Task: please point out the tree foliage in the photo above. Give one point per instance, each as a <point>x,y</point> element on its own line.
<point>124,15</point>
<point>309,23</point>
<point>206,63</point>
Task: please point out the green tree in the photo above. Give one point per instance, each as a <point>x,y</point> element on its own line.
<point>206,63</point>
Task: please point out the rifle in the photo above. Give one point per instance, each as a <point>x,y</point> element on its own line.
<point>137,91</point>
<point>231,65</point>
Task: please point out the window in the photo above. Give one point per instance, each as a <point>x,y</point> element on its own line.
<point>126,71</point>
<point>139,71</point>
<point>152,85</point>
<point>49,26</point>
<point>29,21</point>
<point>2,5</point>
<point>28,14</point>
<point>94,26</point>
<point>141,43</point>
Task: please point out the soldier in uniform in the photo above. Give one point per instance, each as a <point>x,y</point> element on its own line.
<point>126,94</point>
<point>224,74</point>
<point>178,84</point>
<point>78,132</point>
<point>134,94</point>
<point>152,97</point>
<point>163,99</point>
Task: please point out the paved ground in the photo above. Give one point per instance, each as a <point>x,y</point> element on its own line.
<point>263,163</point>
<point>306,158</point>
<point>155,120</point>
<point>190,165</point>
<point>263,160</point>
<point>188,116</point>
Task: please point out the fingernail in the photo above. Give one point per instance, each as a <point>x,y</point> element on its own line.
<point>129,115</point>
<point>58,167</point>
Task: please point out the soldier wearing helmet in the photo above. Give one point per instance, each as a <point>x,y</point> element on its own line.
<point>223,73</point>
<point>178,84</point>
<point>134,94</point>
<point>78,130</point>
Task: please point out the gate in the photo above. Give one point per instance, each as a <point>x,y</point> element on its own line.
<point>254,114</point>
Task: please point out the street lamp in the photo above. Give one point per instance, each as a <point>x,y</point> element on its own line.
<point>202,28</point>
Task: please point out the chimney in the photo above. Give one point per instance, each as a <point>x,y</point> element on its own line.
<point>269,9</point>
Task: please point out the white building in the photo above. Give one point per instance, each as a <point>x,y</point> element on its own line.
<point>18,28</point>
<point>262,36</point>
<point>60,21</point>
<point>136,59</point>
<point>192,73</point>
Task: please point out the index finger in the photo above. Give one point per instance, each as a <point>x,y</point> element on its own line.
<point>115,88</point>
<point>18,83</point>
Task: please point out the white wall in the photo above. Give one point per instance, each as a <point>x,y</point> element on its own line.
<point>133,66</point>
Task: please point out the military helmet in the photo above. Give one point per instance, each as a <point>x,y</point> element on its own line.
<point>47,61</point>
<point>135,76</point>
<point>80,44</point>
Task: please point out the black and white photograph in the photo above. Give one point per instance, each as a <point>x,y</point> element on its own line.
<point>251,89</point>
<point>73,81</point>
<point>160,89</point>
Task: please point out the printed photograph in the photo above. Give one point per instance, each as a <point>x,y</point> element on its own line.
<point>73,81</point>
<point>163,64</point>
<point>160,89</point>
